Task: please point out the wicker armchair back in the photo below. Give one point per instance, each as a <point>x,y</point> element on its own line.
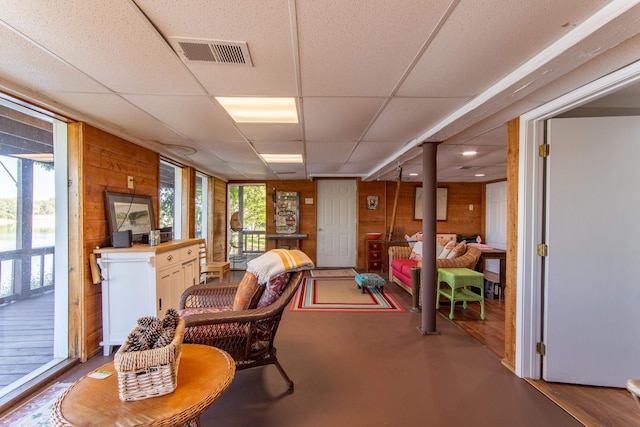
<point>247,335</point>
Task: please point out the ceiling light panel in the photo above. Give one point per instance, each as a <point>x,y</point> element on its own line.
<point>282,158</point>
<point>260,110</point>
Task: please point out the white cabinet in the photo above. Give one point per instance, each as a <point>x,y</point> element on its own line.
<point>143,281</point>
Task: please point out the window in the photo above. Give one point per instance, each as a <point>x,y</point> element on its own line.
<point>170,197</point>
<point>33,242</point>
<point>202,211</point>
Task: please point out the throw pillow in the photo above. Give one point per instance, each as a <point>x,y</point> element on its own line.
<point>246,290</point>
<point>458,250</point>
<point>274,289</point>
<point>416,252</point>
<point>447,249</point>
<point>441,242</point>
<point>413,239</point>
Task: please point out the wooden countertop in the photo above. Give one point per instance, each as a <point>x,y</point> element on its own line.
<point>142,247</point>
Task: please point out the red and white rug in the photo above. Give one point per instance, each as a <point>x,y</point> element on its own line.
<point>341,294</point>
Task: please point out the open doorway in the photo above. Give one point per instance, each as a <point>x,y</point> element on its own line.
<point>247,224</point>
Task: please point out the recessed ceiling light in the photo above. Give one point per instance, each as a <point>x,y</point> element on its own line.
<point>479,174</point>
<point>469,153</point>
<point>413,174</point>
<point>260,110</point>
<point>282,158</point>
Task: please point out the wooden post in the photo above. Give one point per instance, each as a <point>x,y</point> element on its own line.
<point>395,204</point>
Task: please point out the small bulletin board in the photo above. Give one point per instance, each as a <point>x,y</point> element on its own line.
<point>286,212</point>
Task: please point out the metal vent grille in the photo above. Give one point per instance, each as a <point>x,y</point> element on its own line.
<point>219,52</point>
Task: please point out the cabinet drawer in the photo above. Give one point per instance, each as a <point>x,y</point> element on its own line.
<point>189,252</point>
<point>165,259</point>
<point>375,246</point>
<point>375,265</point>
<point>377,255</point>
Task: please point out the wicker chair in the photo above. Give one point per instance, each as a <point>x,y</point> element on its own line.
<point>246,335</point>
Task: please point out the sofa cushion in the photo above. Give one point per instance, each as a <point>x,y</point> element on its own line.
<point>416,252</point>
<point>273,289</point>
<point>458,250</point>
<point>403,266</point>
<point>447,249</point>
<point>247,289</point>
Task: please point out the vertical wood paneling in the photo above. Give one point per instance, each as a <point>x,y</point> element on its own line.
<point>513,152</point>
<point>218,240</point>
<point>106,162</point>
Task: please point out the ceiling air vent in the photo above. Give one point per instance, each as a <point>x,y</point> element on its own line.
<point>214,51</point>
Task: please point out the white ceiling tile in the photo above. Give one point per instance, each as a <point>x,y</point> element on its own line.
<point>117,112</point>
<point>289,147</point>
<point>32,67</point>
<point>361,48</point>
<point>329,152</point>
<point>271,131</point>
<point>110,41</point>
<point>196,116</point>
<point>339,118</point>
<point>489,53</point>
<point>407,118</point>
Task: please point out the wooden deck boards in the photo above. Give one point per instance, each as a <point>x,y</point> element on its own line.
<point>26,336</point>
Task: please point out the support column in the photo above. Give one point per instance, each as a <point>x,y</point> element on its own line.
<point>428,288</point>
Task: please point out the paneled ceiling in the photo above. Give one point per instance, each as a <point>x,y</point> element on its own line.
<point>373,79</point>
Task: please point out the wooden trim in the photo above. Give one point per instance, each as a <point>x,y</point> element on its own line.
<point>513,137</point>
<point>77,266</point>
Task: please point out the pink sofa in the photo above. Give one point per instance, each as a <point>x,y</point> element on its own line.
<point>400,265</point>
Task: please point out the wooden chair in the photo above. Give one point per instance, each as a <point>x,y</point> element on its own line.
<point>211,269</point>
<point>247,335</point>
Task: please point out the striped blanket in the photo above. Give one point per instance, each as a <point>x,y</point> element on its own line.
<point>277,261</point>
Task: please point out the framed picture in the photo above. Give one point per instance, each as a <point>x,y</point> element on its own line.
<point>372,202</point>
<point>129,212</point>
<point>442,194</point>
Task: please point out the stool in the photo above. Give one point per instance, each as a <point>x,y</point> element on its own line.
<point>458,280</point>
<point>216,269</point>
<point>370,280</point>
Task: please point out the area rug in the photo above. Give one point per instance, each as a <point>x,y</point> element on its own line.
<point>340,272</point>
<point>341,294</point>
<point>36,411</point>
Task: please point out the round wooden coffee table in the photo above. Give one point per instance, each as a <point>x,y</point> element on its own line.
<point>204,373</point>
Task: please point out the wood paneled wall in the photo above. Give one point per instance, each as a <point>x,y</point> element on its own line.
<point>218,224</point>
<point>105,162</point>
<point>306,190</point>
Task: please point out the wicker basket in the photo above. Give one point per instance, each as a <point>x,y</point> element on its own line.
<point>149,373</point>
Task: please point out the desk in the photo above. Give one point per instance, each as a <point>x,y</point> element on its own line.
<point>292,240</point>
<point>498,254</point>
<point>204,373</point>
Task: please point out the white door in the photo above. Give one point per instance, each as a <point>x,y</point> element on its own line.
<point>496,222</point>
<point>592,292</point>
<point>337,223</point>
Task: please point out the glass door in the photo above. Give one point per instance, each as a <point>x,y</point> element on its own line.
<point>247,213</point>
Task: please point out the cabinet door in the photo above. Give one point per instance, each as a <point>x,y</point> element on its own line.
<point>167,290</point>
<point>189,274</point>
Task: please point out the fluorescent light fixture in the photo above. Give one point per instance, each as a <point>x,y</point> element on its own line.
<point>479,174</point>
<point>260,110</point>
<point>282,158</point>
<point>36,157</point>
<point>469,153</point>
<point>413,174</point>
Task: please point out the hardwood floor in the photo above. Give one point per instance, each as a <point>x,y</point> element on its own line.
<point>592,406</point>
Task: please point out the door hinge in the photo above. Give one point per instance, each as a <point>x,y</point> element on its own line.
<point>541,349</point>
<point>543,150</point>
<point>543,249</point>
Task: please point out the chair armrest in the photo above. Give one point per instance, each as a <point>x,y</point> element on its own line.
<point>208,295</point>
<point>399,252</point>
